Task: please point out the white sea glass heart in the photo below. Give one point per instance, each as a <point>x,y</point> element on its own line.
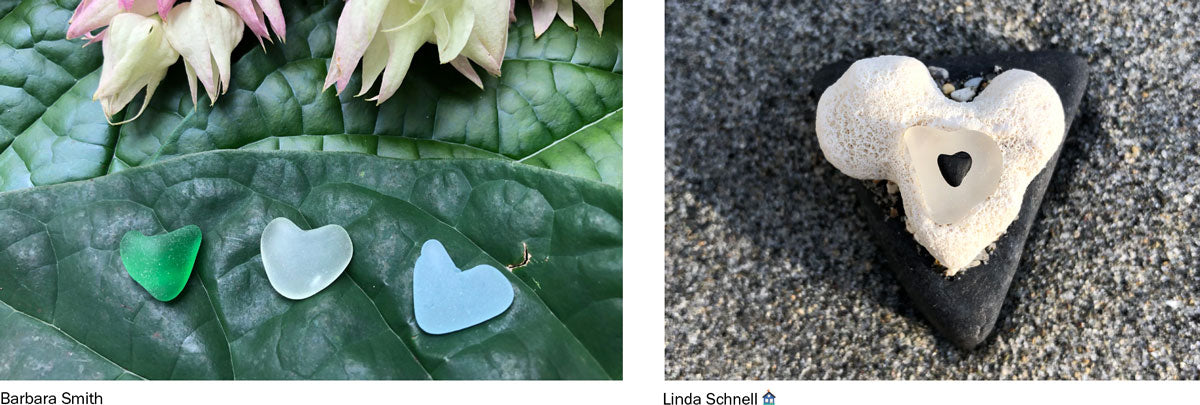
<point>301,263</point>
<point>948,204</point>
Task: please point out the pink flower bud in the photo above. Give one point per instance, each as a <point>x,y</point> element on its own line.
<point>252,13</point>
<point>91,15</point>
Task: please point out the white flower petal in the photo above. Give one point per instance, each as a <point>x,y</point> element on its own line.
<point>402,45</point>
<point>355,30</point>
<point>566,11</point>
<point>595,11</point>
<point>452,30</point>
<point>205,34</point>
<point>543,15</point>
<point>463,65</point>
<point>374,60</point>
<point>136,56</point>
<point>489,35</point>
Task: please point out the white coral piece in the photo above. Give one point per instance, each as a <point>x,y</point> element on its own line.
<point>862,117</point>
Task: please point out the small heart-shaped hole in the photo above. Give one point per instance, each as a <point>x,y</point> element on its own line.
<point>954,167</point>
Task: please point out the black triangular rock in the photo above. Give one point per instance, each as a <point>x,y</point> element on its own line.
<point>964,308</point>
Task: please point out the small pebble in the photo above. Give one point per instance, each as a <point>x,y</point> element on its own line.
<point>939,74</point>
<point>947,88</point>
<point>973,83</point>
<point>963,94</point>
<point>1133,153</point>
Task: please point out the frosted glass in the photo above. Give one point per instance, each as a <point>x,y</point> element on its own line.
<point>446,299</point>
<point>948,204</point>
<point>301,263</point>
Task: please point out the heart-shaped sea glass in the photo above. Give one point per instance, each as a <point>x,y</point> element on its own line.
<point>446,299</point>
<point>162,263</point>
<point>301,263</point>
<point>948,203</point>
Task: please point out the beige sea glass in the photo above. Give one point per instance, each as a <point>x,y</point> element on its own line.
<point>949,204</point>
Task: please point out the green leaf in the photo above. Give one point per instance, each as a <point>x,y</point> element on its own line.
<point>68,310</point>
<point>554,91</point>
<point>593,152</point>
<point>8,5</point>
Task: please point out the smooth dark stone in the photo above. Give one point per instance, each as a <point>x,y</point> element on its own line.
<point>964,308</point>
<point>954,167</point>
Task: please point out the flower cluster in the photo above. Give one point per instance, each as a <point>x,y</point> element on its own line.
<point>142,38</point>
<point>384,35</point>
<point>544,11</point>
<point>145,37</point>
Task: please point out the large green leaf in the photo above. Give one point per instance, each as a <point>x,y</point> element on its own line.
<point>555,94</point>
<point>8,5</point>
<point>68,309</point>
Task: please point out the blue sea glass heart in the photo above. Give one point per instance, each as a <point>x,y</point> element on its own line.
<point>446,299</point>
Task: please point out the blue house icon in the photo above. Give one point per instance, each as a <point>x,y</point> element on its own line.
<point>768,398</point>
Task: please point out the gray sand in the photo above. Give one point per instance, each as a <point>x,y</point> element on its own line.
<point>771,273</point>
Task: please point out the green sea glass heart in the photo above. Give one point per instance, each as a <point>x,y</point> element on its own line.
<point>161,263</point>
